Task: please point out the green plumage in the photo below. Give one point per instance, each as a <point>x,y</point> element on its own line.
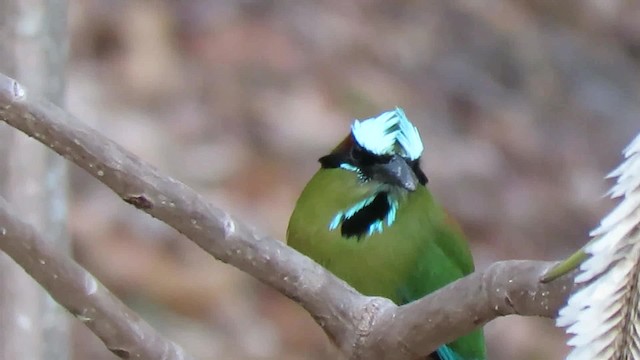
<point>422,250</point>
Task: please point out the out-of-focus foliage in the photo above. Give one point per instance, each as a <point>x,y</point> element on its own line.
<point>522,106</point>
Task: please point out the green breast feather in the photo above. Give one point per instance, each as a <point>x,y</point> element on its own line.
<point>382,263</point>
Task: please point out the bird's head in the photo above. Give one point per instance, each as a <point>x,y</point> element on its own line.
<point>384,154</point>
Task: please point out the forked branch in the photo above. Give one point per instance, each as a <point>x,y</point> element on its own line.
<point>362,327</point>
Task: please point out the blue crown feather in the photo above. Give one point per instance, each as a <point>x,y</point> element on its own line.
<point>378,135</point>
<point>387,133</point>
<point>408,137</point>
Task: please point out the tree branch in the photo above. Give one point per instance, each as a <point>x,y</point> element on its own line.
<point>362,327</point>
<point>123,332</point>
<point>504,288</point>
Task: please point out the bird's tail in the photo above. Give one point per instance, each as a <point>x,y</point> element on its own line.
<point>444,352</point>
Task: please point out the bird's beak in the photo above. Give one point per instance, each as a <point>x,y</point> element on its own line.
<point>396,172</point>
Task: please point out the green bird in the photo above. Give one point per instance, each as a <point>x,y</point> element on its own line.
<point>368,217</point>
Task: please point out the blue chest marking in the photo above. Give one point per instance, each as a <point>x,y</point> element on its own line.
<point>368,216</point>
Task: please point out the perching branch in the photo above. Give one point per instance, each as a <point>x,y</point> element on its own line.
<point>123,332</point>
<point>362,327</point>
<point>504,288</point>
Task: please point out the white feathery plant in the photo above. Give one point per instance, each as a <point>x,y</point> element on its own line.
<point>603,315</point>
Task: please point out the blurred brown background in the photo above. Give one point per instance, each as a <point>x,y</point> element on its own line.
<point>523,107</point>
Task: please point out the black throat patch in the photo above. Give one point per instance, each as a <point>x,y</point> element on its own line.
<point>362,221</point>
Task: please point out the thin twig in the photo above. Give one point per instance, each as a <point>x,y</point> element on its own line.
<point>123,332</point>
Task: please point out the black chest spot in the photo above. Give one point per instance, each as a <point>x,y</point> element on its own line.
<point>365,219</point>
